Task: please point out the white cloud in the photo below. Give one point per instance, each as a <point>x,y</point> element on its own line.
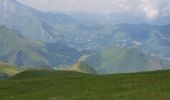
<point>149,8</point>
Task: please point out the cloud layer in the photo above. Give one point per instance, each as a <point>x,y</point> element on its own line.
<point>151,9</point>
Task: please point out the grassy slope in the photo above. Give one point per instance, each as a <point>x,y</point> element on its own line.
<point>77,86</point>
<point>123,60</point>
<point>80,66</point>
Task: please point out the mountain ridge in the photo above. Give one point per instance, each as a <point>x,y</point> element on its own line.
<point>16,49</point>
<point>123,60</point>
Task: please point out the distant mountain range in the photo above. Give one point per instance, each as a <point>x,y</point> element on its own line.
<point>31,38</point>
<point>153,40</point>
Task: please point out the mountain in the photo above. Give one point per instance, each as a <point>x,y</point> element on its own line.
<point>124,60</point>
<point>125,17</point>
<point>82,30</point>
<point>55,38</point>
<point>21,51</point>
<point>7,70</point>
<point>29,22</point>
<point>132,18</point>
<point>20,17</point>
<point>152,39</point>
<point>89,18</point>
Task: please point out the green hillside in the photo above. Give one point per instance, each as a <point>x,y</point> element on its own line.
<point>77,86</point>
<point>124,60</point>
<point>37,74</point>
<point>7,70</point>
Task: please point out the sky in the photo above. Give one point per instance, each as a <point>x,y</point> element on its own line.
<point>149,8</point>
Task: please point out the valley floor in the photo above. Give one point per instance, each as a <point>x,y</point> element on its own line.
<point>77,86</point>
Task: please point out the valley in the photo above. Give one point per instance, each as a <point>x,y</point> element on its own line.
<point>58,40</point>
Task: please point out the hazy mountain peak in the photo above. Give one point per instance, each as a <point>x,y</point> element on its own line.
<point>8,5</point>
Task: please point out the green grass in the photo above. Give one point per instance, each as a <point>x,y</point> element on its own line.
<point>34,74</point>
<point>65,85</point>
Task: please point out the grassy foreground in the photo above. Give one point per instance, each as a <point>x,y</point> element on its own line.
<point>51,85</point>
